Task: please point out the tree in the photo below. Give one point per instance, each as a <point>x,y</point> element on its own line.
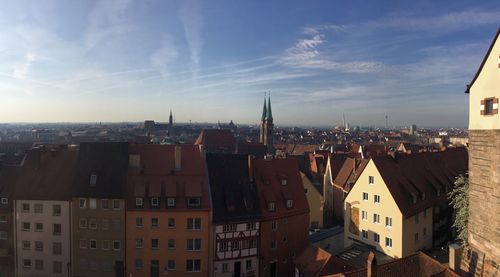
<point>459,197</point>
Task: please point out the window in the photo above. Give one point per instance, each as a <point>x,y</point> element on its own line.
<point>39,264</point>
<point>171,244</point>
<point>235,245</point>
<point>93,203</point>
<point>223,246</point>
<point>139,264</point>
<point>171,202</point>
<point>27,263</point>
<point>376,199</point>
<point>26,226</point>
<point>364,234</point>
<point>171,265</point>
<point>138,243</point>
<point>416,219</point>
<point>171,223</point>
<point>26,208</point>
<point>289,204</point>
<point>274,225</point>
<point>274,244</point>
<point>251,226</point>
<point>105,204</point>
<point>57,248</point>
<point>38,208</point>
<point>56,228</point>
<point>93,244</point>
<point>425,232</point>
<point>376,218</point>
<point>105,224</point>
<point>83,243</point>
<point>364,215</point>
<point>117,245</point>
<point>193,265</point>
<point>154,222</point>
<point>56,210</point>
<point>284,182</point>
<point>26,245</point>
<point>3,218</point>
<point>245,244</point>
<point>93,180</point>
<point>194,244</point>
<point>194,223</point>
<point>388,221</point>
<point>4,201</point>
<point>116,204</point>
<point>425,213</point>
<point>3,235</point>
<point>38,245</point>
<point>83,203</point>
<point>93,223</point>
<point>57,267</point>
<point>249,264</point>
<point>253,243</point>
<point>155,202</point>
<point>194,202</point>
<point>83,223</point>
<point>38,227</point>
<point>388,242</point>
<point>489,106</point>
<point>225,267</point>
<point>105,245</point>
<point>154,243</point>
<point>376,237</point>
<point>371,180</point>
<point>416,237</point>
<point>139,202</point>
<point>271,206</point>
<point>229,228</point>
<point>365,196</point>
<point>139,222</point>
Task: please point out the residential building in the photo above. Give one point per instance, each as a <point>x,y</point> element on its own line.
<point>168,211</point>
<point>483,255</point>
<point>333,165</point>
<point>98,210</point>
<point>315,201</point>
<point>8,176</point>
<point>42,212</point>
<point>236,216</point>
<point>399,203</point>
<point>267,126</point>
<point>284,228</point>
<point>217,141</point>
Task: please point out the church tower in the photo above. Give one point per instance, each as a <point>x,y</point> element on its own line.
<point>170,120</point>
<point>267,126</point>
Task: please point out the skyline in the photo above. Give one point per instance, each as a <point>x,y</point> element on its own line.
<point>128,61</point>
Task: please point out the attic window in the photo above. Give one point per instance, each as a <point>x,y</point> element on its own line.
<point>194,202</point>
<point>489,106</point>
<point>93,180</point>
<point>284,182</point>
<point>4,201</point>
<point>155,202</point>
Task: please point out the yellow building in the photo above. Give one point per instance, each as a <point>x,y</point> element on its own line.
<point>315,200</point>
<point>399,205</point>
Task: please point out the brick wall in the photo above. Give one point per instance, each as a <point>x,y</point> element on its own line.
<point>484,202</point>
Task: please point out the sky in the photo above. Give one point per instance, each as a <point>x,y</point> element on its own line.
<point>209,61</point>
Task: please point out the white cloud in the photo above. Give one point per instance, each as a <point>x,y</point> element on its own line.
<point>22,69</point>
<point>191,17</point>
<point>164,55</point>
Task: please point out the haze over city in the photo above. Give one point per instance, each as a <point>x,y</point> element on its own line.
<point>91,61</point>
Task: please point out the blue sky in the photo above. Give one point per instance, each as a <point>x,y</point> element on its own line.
<point>212,61</point>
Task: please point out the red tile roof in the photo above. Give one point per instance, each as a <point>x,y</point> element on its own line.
<point>217,140</point>
<point>314,261</point>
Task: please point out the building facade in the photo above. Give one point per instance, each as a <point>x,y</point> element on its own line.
<point>98,210</point>
<point>168,211</point>
<point>315,201</point>
<point>484,175</point>
<point>7,184</point>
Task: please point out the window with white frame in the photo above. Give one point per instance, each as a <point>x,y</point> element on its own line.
<point>105,245</point>
<point>93,180</point>
<point>56,210</point>
<point>38,208</point>
<point>274,226</point>
<point>194,223</point>
<point>376,218</point>
<point>139,222</point>
<point>289,203</point>
<point>371,180</point>
<point>376,237</point>
<point>223,246</point>
<point>388,221</point>
<point>93,244</point>
<point>365,196</point>
<point>376,199</point>
<point>93,203</point>
<point>26,226</point>
<point>271,206</point>
<point>139,264</point>
<point>26,207</point>
<point>93,223</point>
<point>105,204</point>
<point>193,265</point>
<point>83,203</point>
<point>194,202</point>
<point>83,223</point>
<point>229,228</point>
<point>171,202</point>
<point>194,244</point>
<point>388,242</point>
<point>251,226</point>
<point>364,234</point>
<point>171,265</point>
<point>155,223</point>
<point>155,243</point>
<point>38,227</point>
<point>27,263</point>
<point>26,245</point>
<point>139,202</point>
<point>4,201</point>
<point>116,204</point>
<point>117,244</point>
<point>364,215</point>
<point>155,201</point>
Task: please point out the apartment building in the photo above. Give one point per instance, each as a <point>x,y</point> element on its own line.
<point>98,210</point>
<point>236,216</point>
<point>483,255</point>
<point>399,203</point>
<point>8,176</point>
<point>42,212</point>
<point>284,229</point>
<point>168,211</point>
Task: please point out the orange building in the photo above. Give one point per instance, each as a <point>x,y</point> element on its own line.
<point>168,211</point>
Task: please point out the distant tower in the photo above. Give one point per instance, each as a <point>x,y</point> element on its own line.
<point>267,126</point>
<point>386,122</point>
<point>170,119</point>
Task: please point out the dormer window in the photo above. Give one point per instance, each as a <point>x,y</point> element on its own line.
<point>271,206</point>
<point>171,202</point>
<point>4,201</point>
<point>194,202</point>
<point>139,202</point>
<point>289,204</point>
<point>93,180</point>
<point>284,182</point>
<point>155,202</point>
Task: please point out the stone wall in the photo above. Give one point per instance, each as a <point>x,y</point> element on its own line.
<point>484,202</point>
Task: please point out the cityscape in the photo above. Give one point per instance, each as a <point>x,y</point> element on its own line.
<point>149,139</point>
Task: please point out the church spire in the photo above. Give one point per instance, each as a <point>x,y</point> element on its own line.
<point>269,114</point>
<point>264,110</point>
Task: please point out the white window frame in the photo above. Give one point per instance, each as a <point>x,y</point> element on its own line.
<point>155,201</point>
<point>376,237</point>
<point>4,201</point>
<point>93,180</point>
<point>367,196</point>
<point>92,203</point>
<point>388,222</point>
<point>371,180</point>
<point>90,244</point>
<point>376,199</point>
<point>289,203</point>
<point>364,215</point>
<point>171,201</point>
<point>388,242</point>
<point>119,244</point>
<point>364,234</point>
<point>84,201</point>
<point>139,202</point>
<point>376,218</point>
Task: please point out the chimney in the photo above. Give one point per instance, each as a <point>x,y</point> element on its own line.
<point>371,265</point>
<point>177,157</point>
<point>250,167</point>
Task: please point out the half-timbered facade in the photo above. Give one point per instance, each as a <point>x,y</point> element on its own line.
<point>236,216</point>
